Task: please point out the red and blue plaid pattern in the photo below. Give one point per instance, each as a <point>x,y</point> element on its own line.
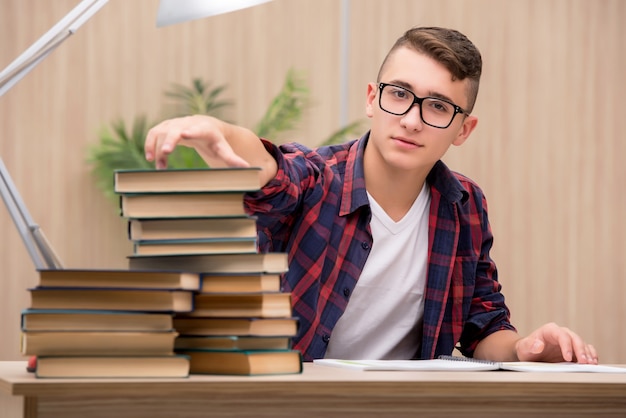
<point>316,209</point>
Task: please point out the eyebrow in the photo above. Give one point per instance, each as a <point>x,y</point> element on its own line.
<point>408,86</point>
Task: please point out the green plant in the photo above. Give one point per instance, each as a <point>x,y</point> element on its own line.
<point>197,99</point>
<point>344,133</point>
<point>121,147</point>
<point>118,148</point>
<point>286,108</point>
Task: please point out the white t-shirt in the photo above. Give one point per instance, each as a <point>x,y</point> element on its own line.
<point>384,314</point>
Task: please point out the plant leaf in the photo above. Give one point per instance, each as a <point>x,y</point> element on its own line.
<point>198,99</point>
<point>285,110</point>
<point>118,149</point>
<point>344,134</point>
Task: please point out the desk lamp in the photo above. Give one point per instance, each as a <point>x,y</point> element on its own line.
<point>170,12</point>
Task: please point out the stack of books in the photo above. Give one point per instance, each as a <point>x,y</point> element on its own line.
<point>194,221</point>
<point>106,323</point>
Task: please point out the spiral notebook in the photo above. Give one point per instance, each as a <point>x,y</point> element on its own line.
<point>455,363</point>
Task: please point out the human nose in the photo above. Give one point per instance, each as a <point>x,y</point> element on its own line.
<point>413,118</point>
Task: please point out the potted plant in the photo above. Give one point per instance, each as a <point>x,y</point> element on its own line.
<point>121,146</point>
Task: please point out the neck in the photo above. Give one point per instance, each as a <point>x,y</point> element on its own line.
<point>394,189</point>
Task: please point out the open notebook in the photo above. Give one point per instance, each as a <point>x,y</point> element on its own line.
<point>453,363</point>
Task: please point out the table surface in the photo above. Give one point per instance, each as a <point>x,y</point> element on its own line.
<point>15,380</point>
<point>321,391</point>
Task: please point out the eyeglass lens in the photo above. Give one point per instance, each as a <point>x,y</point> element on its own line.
<point>398,101</point>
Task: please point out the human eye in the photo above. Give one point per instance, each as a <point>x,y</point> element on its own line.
<point>439,106</point>
<point>398,93</point>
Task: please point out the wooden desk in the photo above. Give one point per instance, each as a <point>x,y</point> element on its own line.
<point>318,392</point>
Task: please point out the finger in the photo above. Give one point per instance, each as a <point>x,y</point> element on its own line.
<point>150,144</point>
<point>593,353</point>
<point>582,351</point>
<point>224,152</point>
<point>214,149</point>
<point>165,145</point>
<point>155,138</point>
<point>568,348</point>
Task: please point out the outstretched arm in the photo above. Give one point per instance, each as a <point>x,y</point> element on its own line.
<point>220,144</point>
<point>549,343</point>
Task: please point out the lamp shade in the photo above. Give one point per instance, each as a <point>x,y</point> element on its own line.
<point>177,11</point>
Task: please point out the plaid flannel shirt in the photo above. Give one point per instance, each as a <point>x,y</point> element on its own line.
<point>316,209</point>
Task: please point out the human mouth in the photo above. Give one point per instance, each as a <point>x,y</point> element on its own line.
<point>407,143</point>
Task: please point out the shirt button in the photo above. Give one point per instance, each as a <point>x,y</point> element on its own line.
<point>346,292</point>
<point>365,245</point>
<point>326,338</point>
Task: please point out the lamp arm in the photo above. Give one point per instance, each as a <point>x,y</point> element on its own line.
<point>37,245</point>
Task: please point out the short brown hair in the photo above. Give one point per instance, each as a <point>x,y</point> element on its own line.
<point>450,48</point>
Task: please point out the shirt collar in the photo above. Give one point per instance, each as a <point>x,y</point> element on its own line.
<point>446,182</point>
<point>354,194</point>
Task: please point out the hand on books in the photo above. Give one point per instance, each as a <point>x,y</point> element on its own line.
<point>553,343</point>
<point>203,133</point>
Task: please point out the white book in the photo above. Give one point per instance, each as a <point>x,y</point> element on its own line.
<point>450,363</point>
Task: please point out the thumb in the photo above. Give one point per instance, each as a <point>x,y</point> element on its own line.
<point>537,346</point>
<point>529,347</point>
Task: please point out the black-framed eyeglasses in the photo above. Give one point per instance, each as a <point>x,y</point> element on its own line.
<point>435,112</point>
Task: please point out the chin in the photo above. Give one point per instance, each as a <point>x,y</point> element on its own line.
<point>404,162</point>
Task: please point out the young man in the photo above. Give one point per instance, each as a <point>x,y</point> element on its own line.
<point>388,248</point>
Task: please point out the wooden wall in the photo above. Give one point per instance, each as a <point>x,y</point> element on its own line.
<point>548,149</point>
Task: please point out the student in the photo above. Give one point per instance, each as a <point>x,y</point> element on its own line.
<point>388,248</point>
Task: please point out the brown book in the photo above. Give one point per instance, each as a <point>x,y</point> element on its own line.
<point>187,180</point>
<point>206,326</point>
<point>211,246</point>
<point>258,305</point>
<point>234,282</point>
<point>249,363</point>
<point>192,228</point>
<point>177,205</point>
<point>112,299</point>
<point>213,263</point>
<point>87,320</point>
<point>232,342</point>
<point>109,366</point>
<point>133,279</point>
<point>88,343</point>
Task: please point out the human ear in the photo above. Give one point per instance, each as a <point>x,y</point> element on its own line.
<point>371,95</point>
<point>469,124</point>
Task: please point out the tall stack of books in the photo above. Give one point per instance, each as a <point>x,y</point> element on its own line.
<point>106,323</point>
<point>194,221</point>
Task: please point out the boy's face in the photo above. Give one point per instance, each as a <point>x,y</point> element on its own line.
<point>406,142</point>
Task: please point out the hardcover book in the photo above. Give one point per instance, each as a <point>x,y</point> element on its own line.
<point>112,299</point>
<point>240,362</point>
<point>213,263</point>
<point>240,282</point>
<point>90,320</point>
<point>205,246</point>
<point>180,205</point>
<point>192,228</point>
<point>90,343</point>
<point>187,180</point>
<point>109,367</point>
<point>131,279</point>
<point>232,342</point>
<point>203,326</point>
<point>259,305</point>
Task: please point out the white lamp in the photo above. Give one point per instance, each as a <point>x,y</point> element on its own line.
<point>170,12</point>
<point>177,11</point>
